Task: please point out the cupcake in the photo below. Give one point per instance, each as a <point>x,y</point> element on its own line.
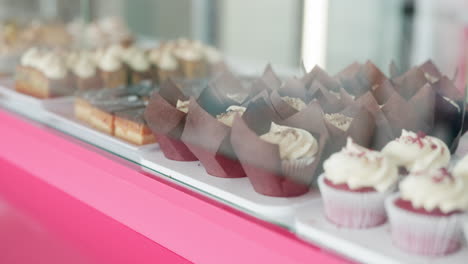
<point>191,61</point>
<point>426,216</point>
<point>139,66</point>
<point>415,152</point>
<point>85,73</point>
<point>166,66</point>
<point>280,158</point>
<point>354,186</point>
<point>112,70</point>
<point>207,135</point>
<point>166,116</point>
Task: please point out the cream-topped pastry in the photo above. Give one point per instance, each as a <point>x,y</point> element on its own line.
<point>294,102</point>
<point>294,143</point>
<point>53,66</point>
<point>111,59</point>
<point>138,61</point>
<point>31,57</point>
<point>359,167</point>
<point>433,189</point>
<point>189,53</point>
<point>183,105</point>
<point>84,67</point>
<point>167,62</point>
<point>339,120</point>
<point>417,151</point>
<point>227,117</point>
<point>154,56</point>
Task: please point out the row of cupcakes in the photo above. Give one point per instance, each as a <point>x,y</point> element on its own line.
<point>117,65</point>
<point>190,129</point>
<point>361,188</point>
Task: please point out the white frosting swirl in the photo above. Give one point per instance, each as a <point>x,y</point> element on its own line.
<point>53,66</point>
<point>227,117</point>
<point>294,143</point>
<point>137,60</point>
<point>155,55</point>
<point>111,59</point>
<point>294,102</point>
<point>359,167</point>
<point>417,152</point>
<point>434,189</point>
<point>168,62</point>
<point>31,57</point>
<point>461,168</point>
<point>183,105</point>
<point>84,67</point>
<point>189,53</point>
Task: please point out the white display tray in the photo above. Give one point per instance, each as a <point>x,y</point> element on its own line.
<point>372,245</point>
<point>8,93</point>
<point>23,104</point>
<point>61,117</point>
<point>238,192</point>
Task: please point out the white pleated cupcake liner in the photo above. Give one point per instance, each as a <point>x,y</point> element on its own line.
<point>297,170</point>
<point>424,234</point>
<point>353,209</point>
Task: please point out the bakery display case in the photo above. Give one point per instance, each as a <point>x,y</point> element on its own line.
<point>224,134</point>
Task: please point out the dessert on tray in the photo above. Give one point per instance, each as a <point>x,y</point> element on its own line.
<point>43,74</point>
<point>131,126</point>
<point>166,115</point>
<point>117,112</point>
<point>185,59</point>
<point>426,216</point>
<point>417,151</point>
<point>354,186</point>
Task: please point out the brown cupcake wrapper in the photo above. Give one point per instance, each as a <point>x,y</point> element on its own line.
<point>423,103</point>
<point>174,149</point>
<point>383,132</point>
<point>321,76</point>
<point>402,115</point>
<point>261,160</point>
<point>167,123</point>
<point>383,92</point>
<point>361,129</point>
<point>329,102</point>
<point>430,68</point>
<point>270,78</point>
<point>293,87</point>
<point>208,138</point>
<point>283,109</point>
<point>410,82</point>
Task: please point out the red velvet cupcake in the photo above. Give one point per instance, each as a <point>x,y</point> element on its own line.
<point>426,216</point>
<point>354,186</point>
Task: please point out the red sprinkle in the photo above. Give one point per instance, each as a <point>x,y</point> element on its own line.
<point>434,146</point>
<point>444,173</point>
<point>418,139</point>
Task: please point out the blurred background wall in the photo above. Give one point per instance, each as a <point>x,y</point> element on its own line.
<point>407,31</point>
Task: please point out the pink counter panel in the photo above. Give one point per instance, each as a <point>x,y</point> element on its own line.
<point>69,202</point>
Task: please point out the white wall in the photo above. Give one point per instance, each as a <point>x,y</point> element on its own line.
<point>362,29</point>
<point>262,30</point>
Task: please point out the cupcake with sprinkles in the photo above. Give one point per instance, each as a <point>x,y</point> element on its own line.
<point>354,186</point>
<point>426,215</point>
<point>416,152</point>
